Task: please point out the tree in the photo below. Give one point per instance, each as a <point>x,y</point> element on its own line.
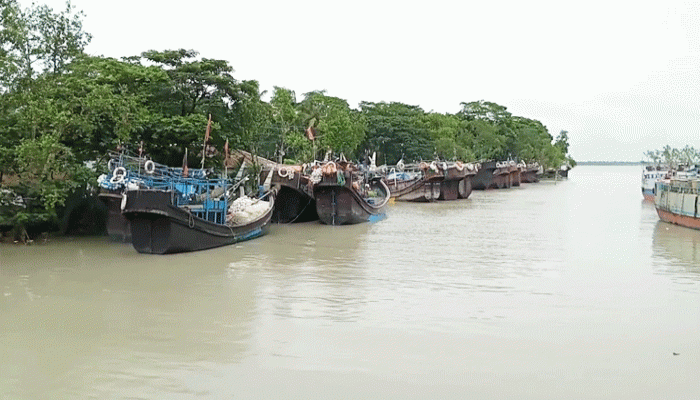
<point>59,36</point>
<point>488,124</point>
<point>397,131</point>
<point>333,124</point>
<point>562,142</point>
<point>252,120</point>
<point>446,132</point>
<point>38,40</point>
<point>12,34</point>
<point>47,173</point>
<point>285,119</point>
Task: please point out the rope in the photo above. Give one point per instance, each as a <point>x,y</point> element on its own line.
<point>301,212</point>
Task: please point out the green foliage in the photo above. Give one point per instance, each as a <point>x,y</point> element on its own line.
<point>673,157</point>
<point>336,126</point>
<point>285,119</point>
<point>37,39</point>
<point>46,175</point>
<point>396,131</point>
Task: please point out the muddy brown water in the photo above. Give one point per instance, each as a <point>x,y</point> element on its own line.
<point>566,290</point>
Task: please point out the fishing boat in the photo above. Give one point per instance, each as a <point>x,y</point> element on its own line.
<point>294,200</point>
<point>515,171</point>
<point>457,181</point>
<point>127,171</point>
<point>344,195</point>
<point>677,201</point>
<point>531,173</point>
<point>415,182</point>
<point>170,221</point>
<point>493,175</point>
<point>650,175</point>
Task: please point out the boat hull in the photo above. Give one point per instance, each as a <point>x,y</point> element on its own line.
<point>342,205</point>
<point>118,227</point>
<point>648,194</point>
<point>465,187</point>
<point>492,176</point>
<point>678,202</point>
<point>159,227</point>
<point>449,189</point>
<point>419,190</point>
<point>294,201</point>
<point>529,176</point>
<point>678,219</point>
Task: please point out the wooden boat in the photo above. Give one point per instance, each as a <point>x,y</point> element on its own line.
<point>530,174</point>
<point>294,201</point>
<point>677,201</point>
<point>344,196</point>
<point>492,175</point>
<point>515,171</point>
<point>159,225</point>
<point>129,171</point>
<point>416,183</point>
<point>457,183</point>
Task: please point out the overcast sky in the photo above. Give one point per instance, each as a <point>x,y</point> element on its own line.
<point>622,77</point>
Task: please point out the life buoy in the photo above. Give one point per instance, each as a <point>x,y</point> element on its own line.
<point>470,167</point>
<point>149,167</point>
<point>444,166</point>
<point>119,171</point>
<point>282,172</point>
<point>119,175</point>
<point>459,166</point>
<point>433,166</point>
<point>117,179</point>
<point>110,165</point>
<point>400,165</point>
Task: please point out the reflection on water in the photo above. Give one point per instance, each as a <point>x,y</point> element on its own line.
<point>571,289</point>
<point>679,248</point>
<point>309,270</point>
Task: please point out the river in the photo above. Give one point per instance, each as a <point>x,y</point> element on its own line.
<point>571,289</point>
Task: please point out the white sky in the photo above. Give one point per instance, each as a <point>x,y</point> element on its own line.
<point>622,77</point>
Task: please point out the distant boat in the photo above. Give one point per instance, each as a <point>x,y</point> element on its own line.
<point>495,175</point>
<point>415,182</point>
<point>677,201</point>
<point>437,180</point>
<point>346,196</point>
<point>160,225</point>
<point>650,175</point>
<point>531,173</point>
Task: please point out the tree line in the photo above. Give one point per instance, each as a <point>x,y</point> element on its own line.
<point>62,110</point>
<point>673,157</point>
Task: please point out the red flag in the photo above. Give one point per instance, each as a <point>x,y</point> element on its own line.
<point>185,170</point>
<point>206,135</point>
